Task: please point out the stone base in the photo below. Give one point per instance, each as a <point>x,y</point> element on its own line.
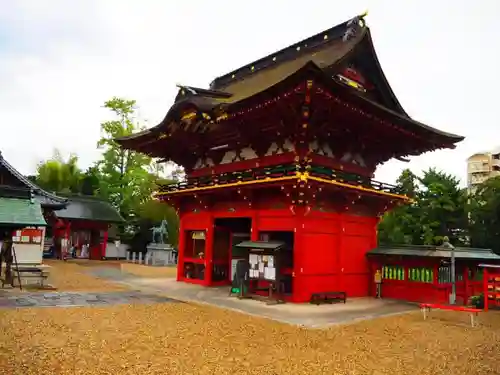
<point>160,255</point>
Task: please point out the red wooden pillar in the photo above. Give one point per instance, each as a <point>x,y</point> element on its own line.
<point>435,281</point>
<point>340,252</point>
<point>209,252</point>
<point>181,250</point>
<point>298,254</point>
<point>66,236</point>
<point>104,242</point>
<point>466,284</point>
<point>485,288</point>
<point>372,268</point>
<point>254,231</point>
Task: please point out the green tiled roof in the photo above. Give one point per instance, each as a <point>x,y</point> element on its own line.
<point>14,211</point>
<point>435,252</point>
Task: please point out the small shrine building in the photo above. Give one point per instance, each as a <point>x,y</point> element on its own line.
<point>64,221</point>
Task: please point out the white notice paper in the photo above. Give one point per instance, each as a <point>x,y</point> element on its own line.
<point>253,259</point>
<point>270,261</point>
<point>261,267</point>
<point>271,273</point>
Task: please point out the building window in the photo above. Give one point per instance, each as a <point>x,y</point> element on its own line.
<point>393,273</point>
<point>444,275</point>
<point>421,274</point>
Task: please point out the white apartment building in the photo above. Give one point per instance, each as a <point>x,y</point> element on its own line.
<point>482,166</point>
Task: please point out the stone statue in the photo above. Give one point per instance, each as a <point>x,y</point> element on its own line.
<point>160,234</point>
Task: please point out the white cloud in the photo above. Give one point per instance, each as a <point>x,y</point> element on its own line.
<point>60,60</point>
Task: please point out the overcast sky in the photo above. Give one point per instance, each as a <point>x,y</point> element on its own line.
<point>61,59</point>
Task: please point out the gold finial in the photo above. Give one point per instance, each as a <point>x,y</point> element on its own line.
<point>364,14</point>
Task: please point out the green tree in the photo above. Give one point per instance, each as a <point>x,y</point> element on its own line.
<point>59,175</point>
<point>126,180</point>
<point>90,182</point>
<point>484,208</point>
<point>400,225</point>
<point>439,210</point>
<point>443,208</point>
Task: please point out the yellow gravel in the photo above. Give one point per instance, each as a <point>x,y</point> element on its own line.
<point>180,338</point>
<point>73,276</point>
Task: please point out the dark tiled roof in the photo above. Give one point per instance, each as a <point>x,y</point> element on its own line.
<point>435,252</point>
<point>267,245</point>
<point>18,211</point>
<point>45,198</point>
<point>89,208</point>
<point>325,52</point>
<point>324,48</point>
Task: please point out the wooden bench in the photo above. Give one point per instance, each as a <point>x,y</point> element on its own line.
<point>32,272</point>
<point>426,307</point>
<point>328,297</point>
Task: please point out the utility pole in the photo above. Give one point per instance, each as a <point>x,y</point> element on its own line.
<point>447,244</point>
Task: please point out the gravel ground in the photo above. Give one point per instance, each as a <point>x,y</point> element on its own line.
<point>194,339</point>
<point>72,276</point>
<point>149,271</point>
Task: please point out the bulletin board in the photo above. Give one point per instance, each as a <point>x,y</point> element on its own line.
<point>262,267</point>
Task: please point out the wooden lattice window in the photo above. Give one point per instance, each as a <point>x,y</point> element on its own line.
<point>393,273</point>
<point>421,275</point>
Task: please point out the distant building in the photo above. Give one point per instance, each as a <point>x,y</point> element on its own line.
<point>482,166</point>
<point>66,221</point>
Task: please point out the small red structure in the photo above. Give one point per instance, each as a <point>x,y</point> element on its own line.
<point>84,221</point>
<point>491,287</point>
<point>284,149</point>
<point>423,273</point>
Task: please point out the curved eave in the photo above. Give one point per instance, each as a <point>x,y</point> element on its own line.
<point>198,103</point>
<point>311,70</point>
<point>371,49</point>
<point>347,92</point>
<point>142,141</point>
<point>53,206</point>
<point>402,119</point>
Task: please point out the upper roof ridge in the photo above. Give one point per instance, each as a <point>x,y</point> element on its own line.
<point>340,31</point>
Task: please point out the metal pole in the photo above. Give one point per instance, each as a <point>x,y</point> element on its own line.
<point>453,296</point>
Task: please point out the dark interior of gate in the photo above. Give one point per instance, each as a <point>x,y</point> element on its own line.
<point>229,232</point>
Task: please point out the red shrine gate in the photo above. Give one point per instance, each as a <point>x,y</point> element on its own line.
<point>328,248</point>
<point>291,143</point>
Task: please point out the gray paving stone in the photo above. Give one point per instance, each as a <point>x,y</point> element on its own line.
<point>79,299</point>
